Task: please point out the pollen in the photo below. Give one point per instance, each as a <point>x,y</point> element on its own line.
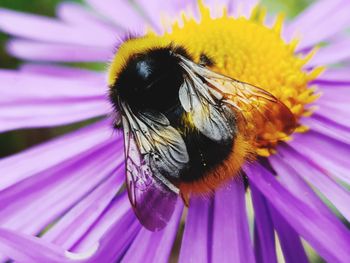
<point>247,50</point>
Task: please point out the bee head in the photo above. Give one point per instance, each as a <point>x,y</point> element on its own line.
<point>151,80</point>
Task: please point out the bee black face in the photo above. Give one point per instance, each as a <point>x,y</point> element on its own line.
<point>151,80</point>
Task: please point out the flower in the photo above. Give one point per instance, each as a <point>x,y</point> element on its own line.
<point>69,191</point>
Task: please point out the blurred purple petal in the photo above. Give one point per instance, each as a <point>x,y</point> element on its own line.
<point>334,53</point>
<point>320,21</point>
<point>335,76</point>
<point>196,243</point>
<point>30,50</point>
<point>321,180</point>
<point>78,15</point>
<point>264,235</point>
<point>47,29</point>
<point>122,12</point>
<point>150,246</point>
<point>292,181</point>
<point>39,101</point>
<point>293,250</point>
<point>156,10</point>
<point>54,153</point>
<point>230,226</point>
<point>328,153</point>
<point>328,127</point>
<point>241,7</point>
<point>308,222</point>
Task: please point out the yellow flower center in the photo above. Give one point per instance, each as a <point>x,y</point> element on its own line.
<point>243,49</point>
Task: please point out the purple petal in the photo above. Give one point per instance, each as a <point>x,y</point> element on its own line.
<point>241,7</point>
<point>155,10</point>
<point>74,224</point>
<point>326,152</point>
<point>30,50</point>
<point>293,250</point>
<point>299,188</point>
<point>149,246</point>
<point>328,127</point>
<point>116,209</point>
<point>335,76</point>
<point>54,153</point>
<point>332,54</point>
<point>51,30</point>
<point>121,12</point>
<point>30,205</point>
<point>33,203</point>
<point>195,245</point>
<point>320,179</point>
<point>319,22</point>
<point>230,237</point>
<point>330,240</point>
<point>30,100</point>
<point>78,15</point>
<point>213,226</point>
<point>35,250</point>
<point>264,238</point>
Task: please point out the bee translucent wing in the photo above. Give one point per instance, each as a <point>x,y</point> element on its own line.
<point>208,115</point>
<point>257,107</point>
<point>153,150</point>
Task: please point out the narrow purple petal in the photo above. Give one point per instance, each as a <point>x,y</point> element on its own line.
<point>329,239</point>
<point>30,50</point>
<point>264,238</point>
<point>292,181</point>
<point>150,246</point>
<point>230,238</point>
<point>313,174</point>
<point>47,29</point>
<point>293,250</point>
<point>29,249</point>
<point>121,12</point>
<point>328,127</point>
<point>196,243</point>
<point>335,76</point>
<point>326,152</point>
<point>156,11</point>
<point>74,224</point>
<point>31,204</point>
<point>53,152</point>
<point>29,100</point>
<point>320,21</point>
<point>241,7</point>
<point>78,15</point>
<point>332,54</point>
<point>116,210</point>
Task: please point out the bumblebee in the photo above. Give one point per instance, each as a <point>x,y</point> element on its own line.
<point>187,129</point>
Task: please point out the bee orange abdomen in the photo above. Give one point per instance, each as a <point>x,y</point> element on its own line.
<point>226,170</point>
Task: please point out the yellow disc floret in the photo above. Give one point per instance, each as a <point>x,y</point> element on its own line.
<point>243,49</point>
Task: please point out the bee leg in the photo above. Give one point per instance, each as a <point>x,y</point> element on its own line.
<point>185,198</point>
<point>206,61</point>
